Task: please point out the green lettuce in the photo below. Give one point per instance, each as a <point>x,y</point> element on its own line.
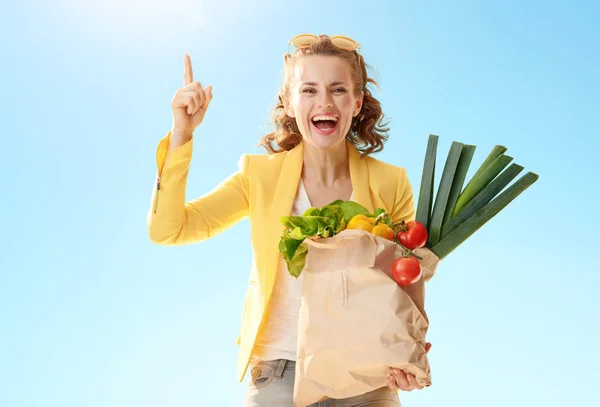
<point>323,222</point>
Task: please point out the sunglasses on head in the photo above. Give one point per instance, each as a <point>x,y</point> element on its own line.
<point>340,41</point>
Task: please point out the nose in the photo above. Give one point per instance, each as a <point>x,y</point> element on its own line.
<point>326,100</point>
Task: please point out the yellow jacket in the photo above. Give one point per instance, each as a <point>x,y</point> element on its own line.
<point>263,189</point>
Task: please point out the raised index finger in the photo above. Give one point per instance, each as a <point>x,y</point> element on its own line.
<point>188,75</point>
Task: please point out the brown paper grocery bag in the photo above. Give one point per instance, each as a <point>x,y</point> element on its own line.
<point>355,321</point>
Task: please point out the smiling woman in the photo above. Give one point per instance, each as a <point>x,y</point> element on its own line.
<point>323,99</point>
<point>336,70</point>
<point>327,125</point>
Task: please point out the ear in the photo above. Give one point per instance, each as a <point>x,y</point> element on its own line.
<point>359,103</point>
<point>289,110</point>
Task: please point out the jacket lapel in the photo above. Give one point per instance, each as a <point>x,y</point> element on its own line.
<point>287,184</point>
<point>288,180</point>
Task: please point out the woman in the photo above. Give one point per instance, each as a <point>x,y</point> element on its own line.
<point>327,124</point>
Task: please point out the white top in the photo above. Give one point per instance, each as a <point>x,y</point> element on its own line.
<point>280,334</point>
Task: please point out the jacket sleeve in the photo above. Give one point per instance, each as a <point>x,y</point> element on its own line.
<point>173,221</point>
<point>404,204</point>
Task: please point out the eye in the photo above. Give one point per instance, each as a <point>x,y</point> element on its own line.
<point>340,90</point>
<point>308,90</point>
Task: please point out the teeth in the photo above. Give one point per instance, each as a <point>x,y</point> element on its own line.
<point>318,118</point>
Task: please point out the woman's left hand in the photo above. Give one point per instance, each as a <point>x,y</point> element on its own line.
<point>398,380</point>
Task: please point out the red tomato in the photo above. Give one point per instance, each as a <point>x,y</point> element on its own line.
<point>415,236</point>
<point>406,270</point>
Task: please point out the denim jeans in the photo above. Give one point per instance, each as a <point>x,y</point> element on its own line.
<point>271,384</point>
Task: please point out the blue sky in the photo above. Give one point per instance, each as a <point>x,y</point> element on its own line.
<point>92,314</point>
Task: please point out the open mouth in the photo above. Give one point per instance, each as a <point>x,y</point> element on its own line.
<point>325,124</point>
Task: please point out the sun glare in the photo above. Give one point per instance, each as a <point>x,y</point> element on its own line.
<point>134,19</point>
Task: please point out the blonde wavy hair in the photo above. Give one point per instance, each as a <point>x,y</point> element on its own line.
<point>367,131</point>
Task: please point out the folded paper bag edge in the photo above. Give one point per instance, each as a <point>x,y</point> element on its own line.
<point>340,239</point>
<point>348,251</point>
<point>429,263</point>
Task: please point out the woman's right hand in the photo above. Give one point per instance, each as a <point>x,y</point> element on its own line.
<point>189,105</point>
